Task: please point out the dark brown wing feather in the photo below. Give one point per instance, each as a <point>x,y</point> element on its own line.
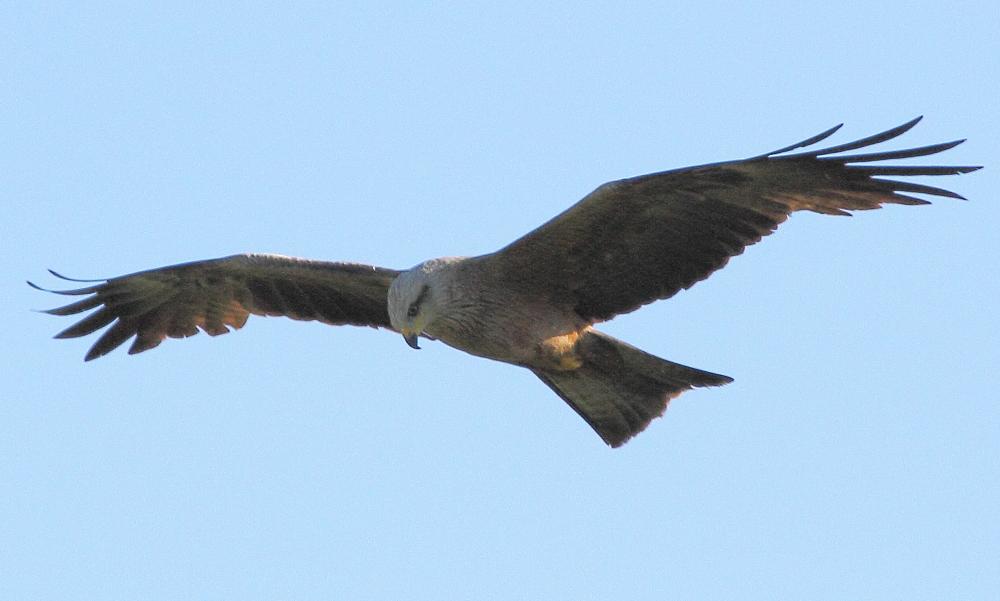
<point>637,240</point>
<point>217,294</point>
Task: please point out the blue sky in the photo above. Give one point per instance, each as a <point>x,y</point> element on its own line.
<point>855,455</point>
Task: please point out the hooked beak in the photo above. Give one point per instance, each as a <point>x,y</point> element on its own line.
<point>411,339</point>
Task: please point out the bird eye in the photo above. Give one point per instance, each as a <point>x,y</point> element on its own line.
<point>413,310</point>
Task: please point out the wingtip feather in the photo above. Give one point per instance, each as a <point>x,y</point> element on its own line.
<point>75,292</point>
<point>807,142</point>
<point>69,279</point>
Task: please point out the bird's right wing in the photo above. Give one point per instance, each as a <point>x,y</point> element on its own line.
<point>217,294</point>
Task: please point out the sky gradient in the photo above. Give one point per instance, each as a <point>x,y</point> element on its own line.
<point>856,455</point>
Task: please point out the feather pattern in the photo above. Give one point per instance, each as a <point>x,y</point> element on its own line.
<point>216,295</point>
<point>633,241</point>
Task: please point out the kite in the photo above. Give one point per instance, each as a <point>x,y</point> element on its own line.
<point>535,302</point>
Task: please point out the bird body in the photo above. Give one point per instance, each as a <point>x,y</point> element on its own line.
<point>534,303</point>
<point>464,303</point>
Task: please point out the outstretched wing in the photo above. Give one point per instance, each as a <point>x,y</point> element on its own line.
<point>637,240</point>
<point>217,294</point>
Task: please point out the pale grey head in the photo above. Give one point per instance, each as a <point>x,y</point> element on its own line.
<point>416,296</point>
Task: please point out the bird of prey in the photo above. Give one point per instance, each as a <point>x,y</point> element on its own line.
<point>534,303</point>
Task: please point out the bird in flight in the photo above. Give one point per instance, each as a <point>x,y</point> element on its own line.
<point>535,302</point>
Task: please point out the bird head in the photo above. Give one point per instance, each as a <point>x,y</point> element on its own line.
<point>411,306</point>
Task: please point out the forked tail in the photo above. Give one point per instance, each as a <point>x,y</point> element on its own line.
<point>619,389</point>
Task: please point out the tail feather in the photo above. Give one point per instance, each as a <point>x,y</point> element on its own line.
<point>619,389</point>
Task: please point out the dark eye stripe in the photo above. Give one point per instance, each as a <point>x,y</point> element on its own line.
<point>414,307</point>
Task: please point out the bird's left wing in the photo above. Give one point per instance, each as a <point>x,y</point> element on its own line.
<point>637,240</point>
<point>214,295</point>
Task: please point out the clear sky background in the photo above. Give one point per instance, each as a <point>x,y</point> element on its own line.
<point>856,455</point>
